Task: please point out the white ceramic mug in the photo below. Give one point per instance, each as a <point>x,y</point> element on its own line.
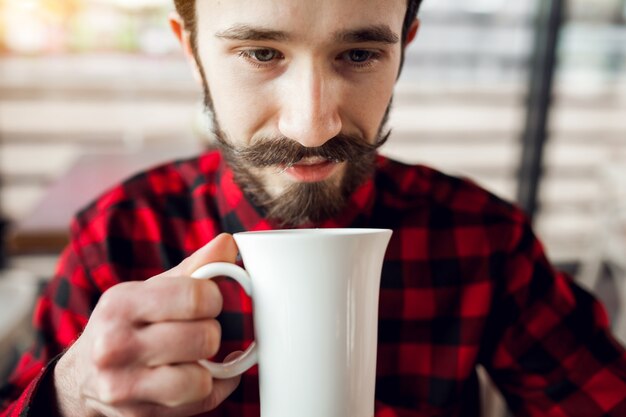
<point>315,307</point>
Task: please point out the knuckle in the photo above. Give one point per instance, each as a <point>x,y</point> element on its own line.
<point>197,301</point>
<point>210,402</point>
<point>205,383</point>
<point>111,345</point>
<point>112,303</point>
<point>216,297</point>
<point>186,389</point>
<point>183,267</point>
<point>111,390</point>
<point>212,296</point>
<point>106,307</point>
<point>212,336</point>
<point>102,353</point>
<point>202,300</point>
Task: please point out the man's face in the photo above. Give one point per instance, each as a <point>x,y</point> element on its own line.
<point>294,86</point>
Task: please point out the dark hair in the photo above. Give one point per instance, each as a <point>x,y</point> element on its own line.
<point>411,13</point>
<point>186,10</point>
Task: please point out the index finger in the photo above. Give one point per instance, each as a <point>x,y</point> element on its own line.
<point>173,296</point>
<point>182,298</point>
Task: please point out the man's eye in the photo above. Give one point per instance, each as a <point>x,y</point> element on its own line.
<point>359,55</point>
<point>262,55</point>
<point>360,58</point>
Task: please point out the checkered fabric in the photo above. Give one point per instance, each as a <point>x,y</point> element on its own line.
<point>465,282</point>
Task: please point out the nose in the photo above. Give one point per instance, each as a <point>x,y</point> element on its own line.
<point>310,110</point>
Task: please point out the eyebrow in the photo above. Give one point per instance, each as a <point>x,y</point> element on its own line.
<point>249,33</point>
<point>375,33</point>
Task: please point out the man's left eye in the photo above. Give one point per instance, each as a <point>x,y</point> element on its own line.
<point>359,55</point>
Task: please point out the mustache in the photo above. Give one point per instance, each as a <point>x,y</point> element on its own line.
<point>281,150</point>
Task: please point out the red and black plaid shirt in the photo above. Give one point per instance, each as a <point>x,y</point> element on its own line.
<point>465,282</point>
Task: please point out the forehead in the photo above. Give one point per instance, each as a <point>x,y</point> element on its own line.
<point>302,19</point>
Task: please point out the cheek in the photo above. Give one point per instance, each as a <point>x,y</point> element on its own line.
<point>240,107</point>
<point>369,103</point>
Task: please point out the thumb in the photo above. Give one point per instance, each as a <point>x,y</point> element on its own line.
<point>221,249</point>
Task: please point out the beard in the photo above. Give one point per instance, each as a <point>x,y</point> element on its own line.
<point>299,203</point>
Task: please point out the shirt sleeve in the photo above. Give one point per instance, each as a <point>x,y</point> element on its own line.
<point>549,348</point>
<point>60,315</point>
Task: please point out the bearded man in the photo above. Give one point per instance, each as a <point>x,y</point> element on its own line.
<point>298,92</point>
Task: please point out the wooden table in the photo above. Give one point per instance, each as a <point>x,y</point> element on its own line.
<point>46,229</point>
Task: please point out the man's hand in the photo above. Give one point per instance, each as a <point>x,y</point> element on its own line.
<point>137,355</point>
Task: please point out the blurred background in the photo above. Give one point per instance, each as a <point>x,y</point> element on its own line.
<point>526,98</point>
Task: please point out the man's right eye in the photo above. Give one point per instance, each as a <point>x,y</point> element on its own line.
<point>261,56</point>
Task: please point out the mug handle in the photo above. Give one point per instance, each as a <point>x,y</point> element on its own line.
<point>248,359</point>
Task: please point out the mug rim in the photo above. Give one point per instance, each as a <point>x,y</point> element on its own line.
<point>335,231</point>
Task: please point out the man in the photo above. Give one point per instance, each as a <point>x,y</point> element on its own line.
<point>298,92</point>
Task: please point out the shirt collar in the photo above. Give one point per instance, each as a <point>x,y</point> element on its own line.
<point>238,213</point>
